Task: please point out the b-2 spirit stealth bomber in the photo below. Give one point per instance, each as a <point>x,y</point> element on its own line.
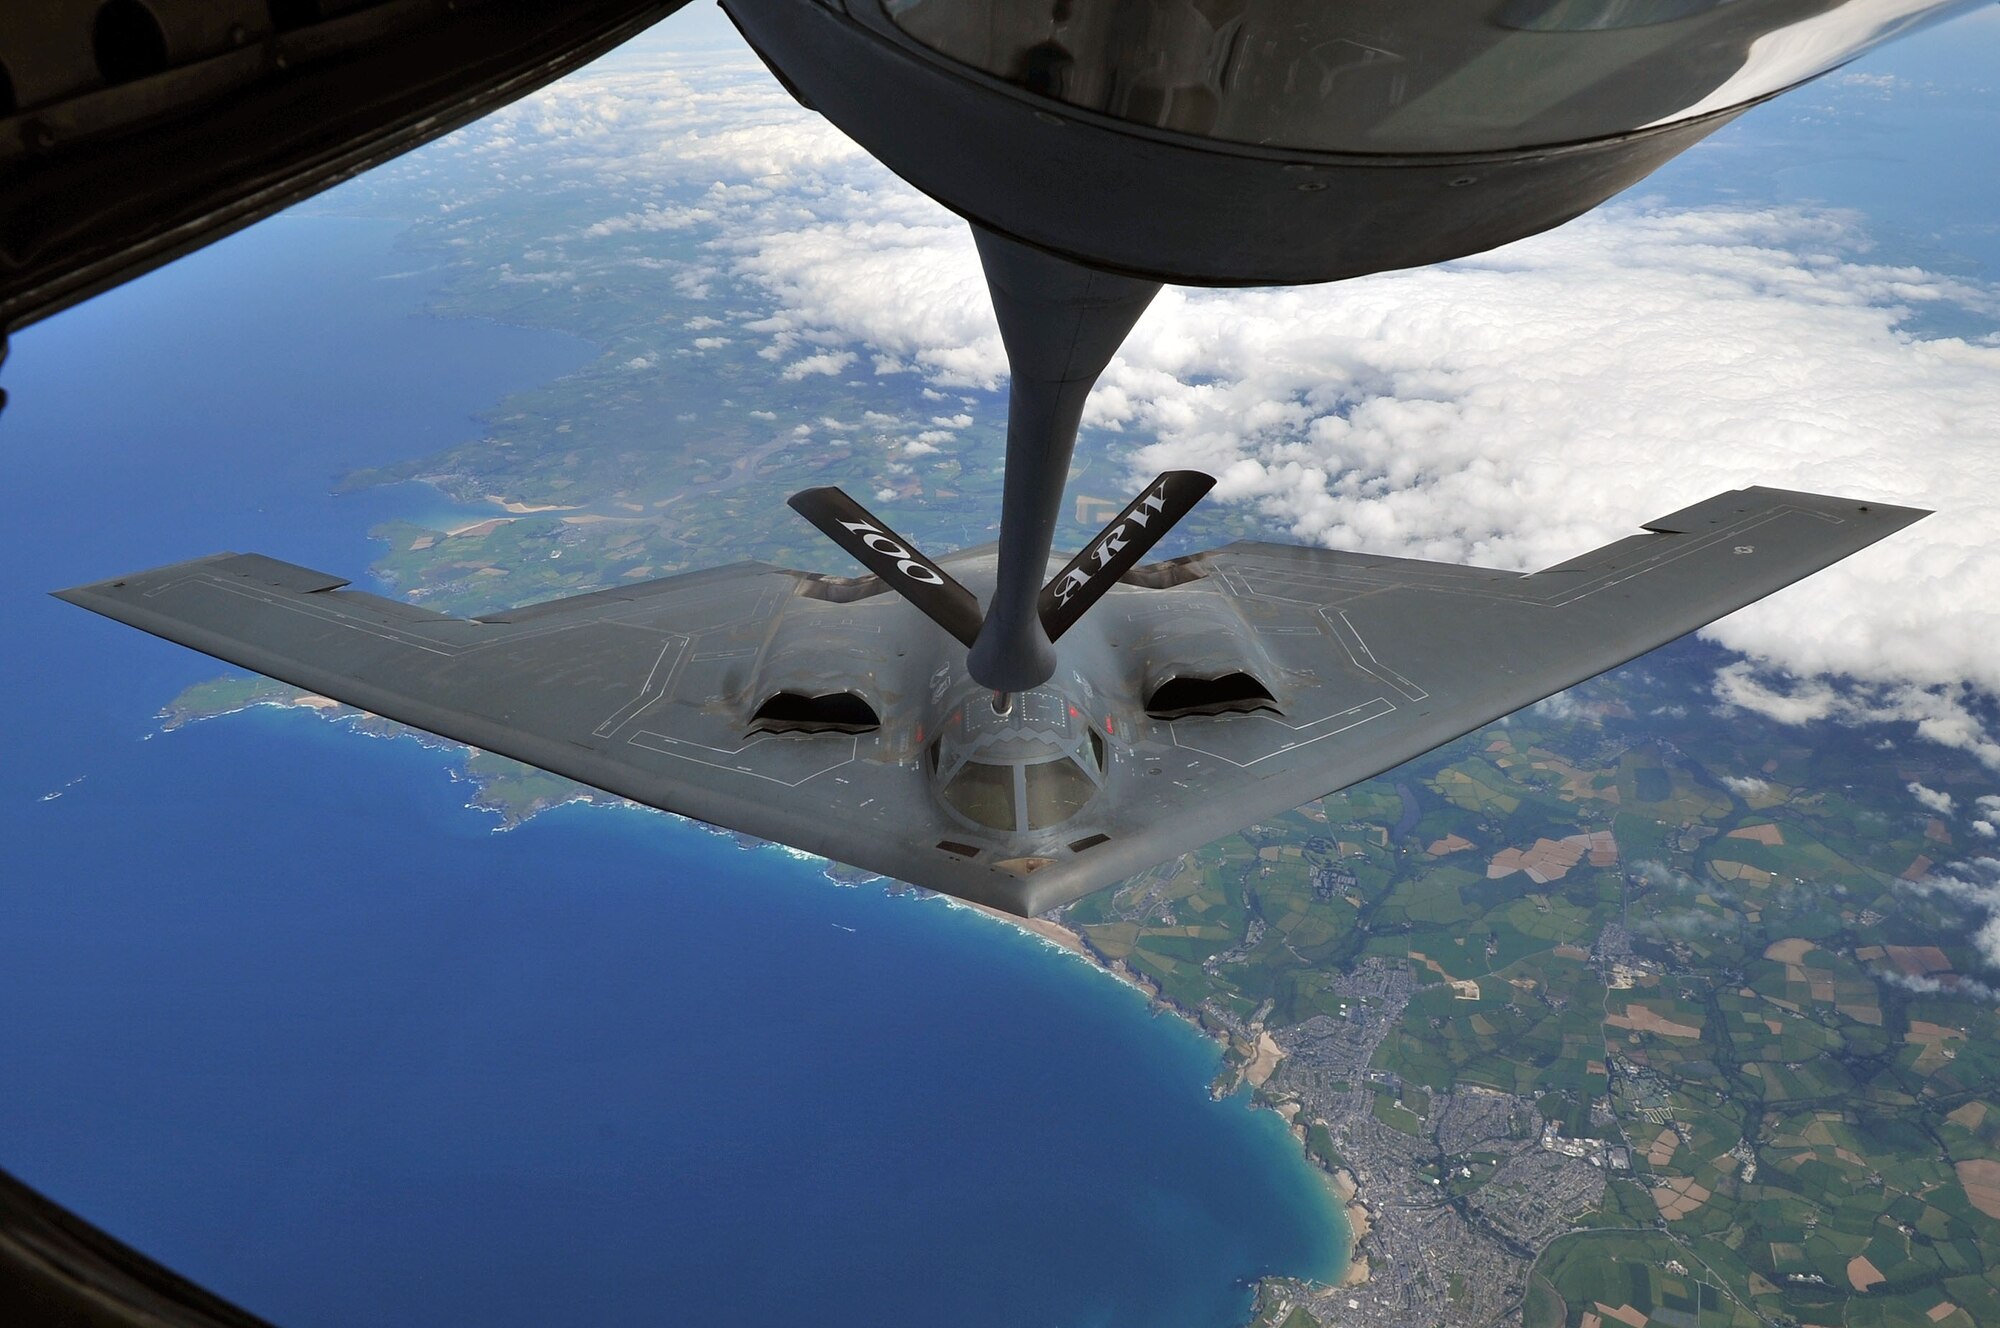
<point>1196,696</point>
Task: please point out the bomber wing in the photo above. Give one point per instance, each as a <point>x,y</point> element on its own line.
<point>1371,661</point>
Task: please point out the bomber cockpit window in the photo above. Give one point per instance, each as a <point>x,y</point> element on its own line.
<point>983,794</point>
<point>1057,791</point>
<point>1023,772</point>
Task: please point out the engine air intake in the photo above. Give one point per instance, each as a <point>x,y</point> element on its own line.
<point>829,712</point>
<point>1229,693</point>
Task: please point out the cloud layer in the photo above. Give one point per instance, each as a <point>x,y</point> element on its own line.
<point>1512,409</point>
<point>1974,885</point>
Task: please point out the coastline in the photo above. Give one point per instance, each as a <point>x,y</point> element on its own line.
<point>538,791</point>
<point>1255,1070</point>
<point>1248,1061</point>
<point>1065,938</point>
<point>1360,1222</point>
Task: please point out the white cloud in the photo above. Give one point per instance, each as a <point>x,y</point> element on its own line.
<point>1512,409</point>
<point>1943,712</point>
<point>1976,885</point>
<point>1881,83</point>
<point>1932,799</point>
<point>1746,787</point>
<point>1961,986</point>
<point>826,362</point>
<point>1558,707</point>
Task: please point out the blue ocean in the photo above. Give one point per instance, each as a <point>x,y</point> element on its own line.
<point>286,1015</point>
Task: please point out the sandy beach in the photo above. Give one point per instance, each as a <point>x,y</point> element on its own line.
<point>1359,1222</point>
<point>528,509</point>
<point>1263,1061</point>
<point>1042,927</point>
<point>476,528</point>
<point>1058,934</point>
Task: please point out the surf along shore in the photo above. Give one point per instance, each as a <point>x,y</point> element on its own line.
<point>1253,1066</point>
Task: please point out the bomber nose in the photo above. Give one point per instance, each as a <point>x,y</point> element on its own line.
<point>1029,768</point>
